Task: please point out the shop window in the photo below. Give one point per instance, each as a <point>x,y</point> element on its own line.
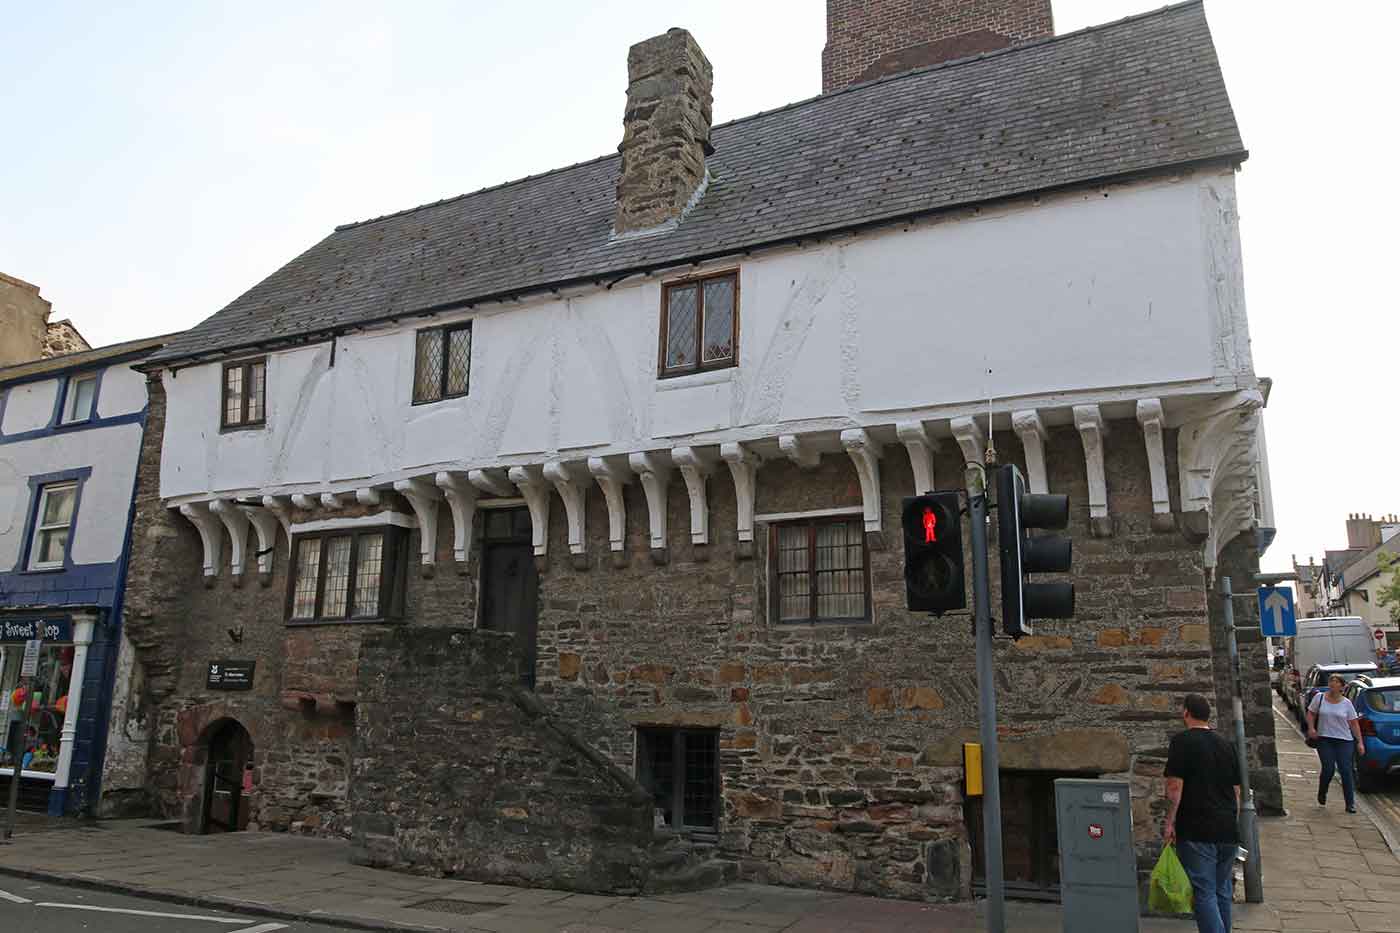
<point>699,324</point>
<point>78,400</point>
<point>46,698</point>
<point>681,769</point>
<point>820,571</point>
<point>344,576</point>
<point>53,526</point>
<point>442,363</point>
<point>245,394</point>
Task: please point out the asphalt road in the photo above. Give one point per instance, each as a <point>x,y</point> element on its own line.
<point>40,907</point>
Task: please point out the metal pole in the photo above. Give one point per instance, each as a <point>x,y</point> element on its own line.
<point>986,704</point>
<point>1249,823</point>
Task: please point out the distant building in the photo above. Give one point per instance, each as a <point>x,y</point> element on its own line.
<point>1347,580</point>
<point>25,330</point>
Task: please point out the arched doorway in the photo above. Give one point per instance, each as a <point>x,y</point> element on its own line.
<point>230,756</point>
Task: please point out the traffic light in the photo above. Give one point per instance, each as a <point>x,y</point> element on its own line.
<point>1021,554</point>
<point>933,554</point>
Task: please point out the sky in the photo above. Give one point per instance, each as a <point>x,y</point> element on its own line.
<point>158,159</point>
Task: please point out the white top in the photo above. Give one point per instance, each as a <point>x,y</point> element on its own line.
<point>1333,719</point>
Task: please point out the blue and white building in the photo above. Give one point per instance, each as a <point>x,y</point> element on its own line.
<point>70,438</point>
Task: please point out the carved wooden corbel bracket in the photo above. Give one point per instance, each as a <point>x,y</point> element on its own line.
<point>424,499</point>
<point>1031,430</point>
<point>968,433</point>
<point>921,446</point>
<point>1149,415</point>
<point>696,465</point>
<point>211,536</point>
<point>571,481</point>
<point>865,454</point>
<point>612,474</point>
<point>655,475</point>
<point>461,500</point>
<point>1088,420</point>
<point>743,466</point>
<point>264,522</point>
<point>236,524</point>
<point>533,486</point>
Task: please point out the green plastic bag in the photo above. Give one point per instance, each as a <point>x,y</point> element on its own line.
<point>1171,890</point>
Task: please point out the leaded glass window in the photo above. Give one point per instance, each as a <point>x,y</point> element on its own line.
<point>680,767</point>
<point>442,362</point>
<point>819,571</point>
<point>339,575</point>
<point>700,324</point>
<point>244,394</point>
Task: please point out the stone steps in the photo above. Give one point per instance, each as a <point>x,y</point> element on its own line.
<point>679,864</point>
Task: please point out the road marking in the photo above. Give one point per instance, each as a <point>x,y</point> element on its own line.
<point>263,928</point>
<point>143,913</point>
<point>14,898</point>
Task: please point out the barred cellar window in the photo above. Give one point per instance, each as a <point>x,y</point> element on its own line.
<point>442,363</point>
<point>245,394</point>
<point>681,769</point>
<point>820,570</point>
<point>699,324</point>
<point>340,576</point>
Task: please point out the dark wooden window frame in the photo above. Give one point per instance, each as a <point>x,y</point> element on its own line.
<point>699,365</point>
<point>392,575</point>
<point>447,331</point>
<point>247,367</point>
<point>775,590</point>
<point>647,736</point>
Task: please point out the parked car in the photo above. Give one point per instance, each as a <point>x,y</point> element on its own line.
<point>1377,702</point>
<point>1340,640</point>
<point>1316,682</point>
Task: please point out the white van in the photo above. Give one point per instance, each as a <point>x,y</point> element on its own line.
<point>1343,640</point>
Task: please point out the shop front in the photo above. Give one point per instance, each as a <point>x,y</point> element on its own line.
<point>39,711</point>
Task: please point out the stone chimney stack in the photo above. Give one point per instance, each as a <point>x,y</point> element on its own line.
<point>24,321</point>
<point>1363,531</point>
<point>666,131</point>
<point>868,39</point>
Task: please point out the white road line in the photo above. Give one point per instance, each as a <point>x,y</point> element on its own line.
<point>143,913</point>
<point>14,898</point>
<point>263,928</point>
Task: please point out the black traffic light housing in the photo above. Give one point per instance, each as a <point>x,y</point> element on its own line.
<point>1021,554</point>
<point>933,552</point>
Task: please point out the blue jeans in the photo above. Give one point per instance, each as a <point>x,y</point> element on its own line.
<point>1336,755</point>
<point>1209,865</point>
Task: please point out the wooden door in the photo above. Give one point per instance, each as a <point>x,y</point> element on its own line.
<point>510,584</point>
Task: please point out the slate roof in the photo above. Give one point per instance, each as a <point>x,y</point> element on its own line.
<point>1138,95</point>
<point>81,359</point>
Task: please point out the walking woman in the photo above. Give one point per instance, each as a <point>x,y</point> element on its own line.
<point>1332,725</point>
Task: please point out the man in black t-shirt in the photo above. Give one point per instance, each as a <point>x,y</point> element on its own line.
<point>1203,797</point>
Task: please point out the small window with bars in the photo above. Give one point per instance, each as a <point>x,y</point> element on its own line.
<point>680,767</point>
<point>700,324</point>
<point>343,576</point>
<point>244,394</point>
<point>820,571</point>
<point>442,363</point>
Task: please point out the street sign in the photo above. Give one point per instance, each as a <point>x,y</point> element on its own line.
<point>1276,611</point>
<point>30,666</point>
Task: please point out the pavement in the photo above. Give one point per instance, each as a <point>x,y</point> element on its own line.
<point>1324,870</point>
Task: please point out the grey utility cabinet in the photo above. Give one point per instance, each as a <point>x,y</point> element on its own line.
<point>1098,865</point>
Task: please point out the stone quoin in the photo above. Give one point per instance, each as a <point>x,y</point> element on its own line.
<point>609,506</point>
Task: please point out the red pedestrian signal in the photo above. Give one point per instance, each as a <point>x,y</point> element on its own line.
<point>930,527</point>
<point>933,557</point>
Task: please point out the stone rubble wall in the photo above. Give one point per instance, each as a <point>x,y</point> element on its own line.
<point>840,744</point>
<point>458,770</point>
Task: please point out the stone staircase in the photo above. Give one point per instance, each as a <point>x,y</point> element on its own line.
<point>679,863</point>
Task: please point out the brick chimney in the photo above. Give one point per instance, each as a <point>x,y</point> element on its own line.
<point>666,130</point>
<point>868,39</point>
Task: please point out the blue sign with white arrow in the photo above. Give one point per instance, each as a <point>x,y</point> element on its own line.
<point>1276,611</point>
